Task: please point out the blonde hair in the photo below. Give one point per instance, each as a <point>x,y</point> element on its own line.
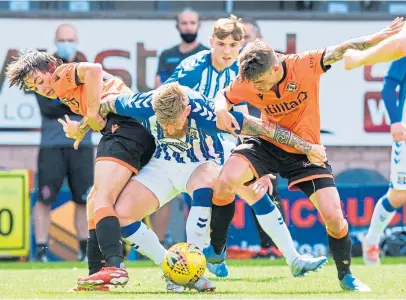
<point>225,27</point>
<point>169,101</point>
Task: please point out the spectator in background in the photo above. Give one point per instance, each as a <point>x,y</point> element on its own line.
<point>188,24</point>
<point>57,158</point>
<point>268,248</point>
<point>252,30</point>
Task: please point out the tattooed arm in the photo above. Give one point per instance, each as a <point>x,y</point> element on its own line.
<point>105,108</point>
<point>256,127</point>
<point>77,130</point>
<point>336,53</point>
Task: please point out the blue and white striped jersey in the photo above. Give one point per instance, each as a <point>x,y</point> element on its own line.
<point>201,143</point>
<point>198,73</point>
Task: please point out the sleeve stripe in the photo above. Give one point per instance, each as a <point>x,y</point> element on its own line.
<point>225,95</point>
<point>323,67</point>
<point>77,81</point>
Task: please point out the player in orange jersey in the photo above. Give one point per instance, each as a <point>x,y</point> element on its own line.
<point>123,150</point>
<point>286,90</point>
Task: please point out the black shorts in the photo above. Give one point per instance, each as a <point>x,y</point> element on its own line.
<point>56,163</point>
<point>126,142</point>
<point>264,158</point>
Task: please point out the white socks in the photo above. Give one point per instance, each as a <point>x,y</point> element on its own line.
<point>383,214</point>
<point>144,240</point>
<point>272,223</point>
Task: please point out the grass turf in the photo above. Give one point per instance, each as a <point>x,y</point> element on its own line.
<point>247,279</point>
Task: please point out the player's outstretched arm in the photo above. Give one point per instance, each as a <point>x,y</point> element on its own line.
<point>390,49</point>
<point>252,126</point>
<point>336,53</point>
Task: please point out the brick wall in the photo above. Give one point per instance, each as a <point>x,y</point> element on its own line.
<point>372,158</point>
<point>340,158</point>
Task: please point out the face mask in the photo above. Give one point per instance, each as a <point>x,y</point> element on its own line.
<point>66,50</point>
<point>188,37</point>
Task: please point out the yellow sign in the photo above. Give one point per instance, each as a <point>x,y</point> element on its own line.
<point>14,213</point>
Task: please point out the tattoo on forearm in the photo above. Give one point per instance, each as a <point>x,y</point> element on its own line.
<point>105,109</point>
<point>252,126</point>
<point>300,144</point>
<point>282,135</point>
<point>336,53</point>
<point>256,127</point>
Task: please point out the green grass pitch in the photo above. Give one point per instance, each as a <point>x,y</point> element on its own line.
<point>248,279</point>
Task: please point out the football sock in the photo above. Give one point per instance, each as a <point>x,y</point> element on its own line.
<point>341,249</point>
<point>83,245</point>
<point>271,221</point>
<point>94,255</point>
<point>199,217</point>
<point>383,214</point>
<point>221,218</point>
<point>144,240</point>
<point>109,237</point>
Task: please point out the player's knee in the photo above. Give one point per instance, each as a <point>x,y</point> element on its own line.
<point>104,196</point>
<point>337,229</point>
<point>227,183</point>
<point>334,220</point>
<point>397,197</point>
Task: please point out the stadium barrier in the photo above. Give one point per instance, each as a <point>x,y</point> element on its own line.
<point>14,213</point>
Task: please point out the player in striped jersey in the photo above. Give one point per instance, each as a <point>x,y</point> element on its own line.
<point>210,71</point>
<point>187,159</point>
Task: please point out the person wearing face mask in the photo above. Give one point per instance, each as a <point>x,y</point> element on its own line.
<point>57,158</point>
<point>188,24</point>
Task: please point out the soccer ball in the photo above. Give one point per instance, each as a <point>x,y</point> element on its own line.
<point>184,263</point>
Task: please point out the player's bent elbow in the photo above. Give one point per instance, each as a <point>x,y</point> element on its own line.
<point>399,45</point>
<point>95,68</point>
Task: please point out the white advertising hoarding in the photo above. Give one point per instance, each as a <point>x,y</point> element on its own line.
<point>351,107</point>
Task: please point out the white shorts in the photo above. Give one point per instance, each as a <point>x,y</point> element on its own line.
<point>167,179</point>
<point>398,166</point>
<point>228,148</point>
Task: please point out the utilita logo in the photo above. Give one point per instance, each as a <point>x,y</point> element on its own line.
<point>376,117</point>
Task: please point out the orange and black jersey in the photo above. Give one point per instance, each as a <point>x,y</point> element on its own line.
<point>72,92</point>
<point>294,103</point>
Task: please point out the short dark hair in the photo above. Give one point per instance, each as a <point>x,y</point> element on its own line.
<point>253,22</point>
<point>255,59</point>
<point>25,63</point>
<point>187,9</point>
